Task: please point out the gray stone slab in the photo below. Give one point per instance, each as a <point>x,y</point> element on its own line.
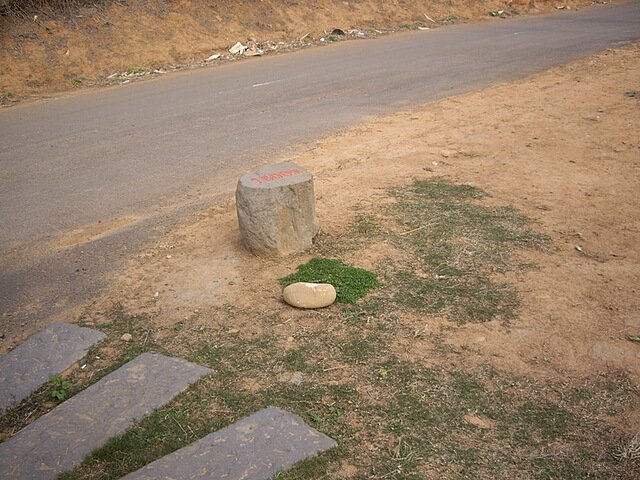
<point>59,440</point>
<point>48,352</point>
<point>254,448</point>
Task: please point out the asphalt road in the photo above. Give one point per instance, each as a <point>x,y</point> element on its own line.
<point>156,150</point>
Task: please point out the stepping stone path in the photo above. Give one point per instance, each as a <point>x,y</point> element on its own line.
<point>51,351</point>
<point>59,440</point>
<point>255,448</point>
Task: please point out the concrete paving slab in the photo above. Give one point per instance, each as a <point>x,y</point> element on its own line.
<point>46,353</point>
<point>59,440</point>
<point>255,448</point>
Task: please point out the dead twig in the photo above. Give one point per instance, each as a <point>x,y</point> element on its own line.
<point>414,230</point>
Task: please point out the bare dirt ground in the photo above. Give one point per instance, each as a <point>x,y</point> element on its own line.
<point>44,52</point>
<point>561,146</point>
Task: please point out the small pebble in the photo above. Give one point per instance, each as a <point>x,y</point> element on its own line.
<point>126,337</point>
<point>296,378</point>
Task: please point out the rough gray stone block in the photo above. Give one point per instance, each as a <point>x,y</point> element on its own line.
<point>59,440</point>
<point>46,353</point>
<point>255,448</point>
<point>276,209</point>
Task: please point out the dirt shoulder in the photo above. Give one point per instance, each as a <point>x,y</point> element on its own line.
<point>49,52</point>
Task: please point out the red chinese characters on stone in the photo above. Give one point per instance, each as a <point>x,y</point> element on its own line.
<point>276,176</point>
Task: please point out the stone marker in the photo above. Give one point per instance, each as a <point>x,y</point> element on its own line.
<point>276,209</point>
<point>255,448</point>
<point>46,353</point>
<point>59,440</point>
<point>309,295</point>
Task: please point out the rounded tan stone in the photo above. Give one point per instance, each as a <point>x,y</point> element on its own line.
<point>309,295</point>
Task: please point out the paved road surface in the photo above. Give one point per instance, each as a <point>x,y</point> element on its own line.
<point>155,150</point>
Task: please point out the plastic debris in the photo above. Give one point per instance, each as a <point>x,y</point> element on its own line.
<point>238,48</point>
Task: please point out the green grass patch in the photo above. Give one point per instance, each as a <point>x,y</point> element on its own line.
<point>452,19</point>
<point>351,283</point>
<point>459,245</point>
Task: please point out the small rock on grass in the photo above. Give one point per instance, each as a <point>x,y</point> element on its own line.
<point>126,337</point>
<point>309,295</point>
<point>296,377</point>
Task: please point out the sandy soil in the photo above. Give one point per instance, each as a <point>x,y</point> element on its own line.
<point>561,146</point>
<point>51,53</point>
